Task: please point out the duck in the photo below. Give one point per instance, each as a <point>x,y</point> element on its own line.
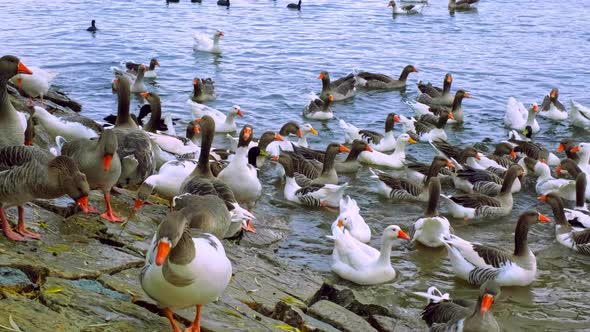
<point>223,123</point>
<point>317,109</point>
<point>34,85</point>
<point>551,108</point>
<point>205,43</point>
<point>580,115</point>
<point>341,89</point>
<point>314,195</point>
<point>425,130</point>
<point>295,5</point>
<point>29,176</point>
<point>478,263</point>
<point>184,268</point>
<point>349,165</point>
<point>92,27</point>
<point>362,264</point>
<point>517,117</point>
<point>404,10</point>
<point>534,150</point>
<point>134,145</point>
<point>12,122</point>
<point>98,160</point>
<point>379,142</point>
<point>546,183</point>
<point>395,160</point>
<point>444,314</point>
<point>375,81</point>
<point>224,3</point>
<point>351,217</point>
<point>402,189</point>
<point>457,108</point>
<point>462,5</point>
<point>71,127</point>
<point>203,90</point>
<point>291,128</point>
<point>311,171</point>
<point>155,123</point>
<point>432,95</point>
<point>138,86</point>
<point>576,238</point>
<point>477,206</point>
<point>150,72</point>
<point>431,229</point>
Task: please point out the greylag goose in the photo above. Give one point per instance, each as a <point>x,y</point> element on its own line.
<point>431,229</point>
<point>432,95</point>
<point>138,86</point>
<point>566,145</point>
<point>295,5</point>
<point>374,81</point>
<point>155,123</point>
<point>184,268</point>
<point>340,89</point>
<point>98,160</point>
<point>552,108</point>
<point>92,27</point>
<point>206,213</point>
<point>534,150</point>
<point>144,110</point>
<point>311,171</point>
<point>462,5</point>
<point>457,107</point>
<point>430,128</point>
<point>348,165</point>
<point>203,90</point>
<point>379,142</point>
<point>12,122</point>
<point>478,263</point>
<point>405,9</point>
<point>466,156</point>
<point>150,72</point>
<point>579,216</point>
<point>318,109</point>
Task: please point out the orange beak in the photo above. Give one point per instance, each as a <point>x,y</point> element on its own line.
<point>83,203</point>
<point>542,198</point>
<point>561,147</point>
<point>478,156</point>
<point>344,149</point>
<point>414,70</point>
<point>144,94</point>
<point>575,149</point>
<point>396,118</point>
<point>28,142</point>
<point>340,223</point>
<point>535,108</point>
<point>137,205</point>
<point>313,131</point>
<point>486,303</point>
<point>195,82</point>
<point>298,133</point>
<point>553,94</point>
<point>466,95</point>
<point>331,98</point>
<point>558,170</point>
<point>278,137</point>
<point>197,129</point>
<point>249,227</point>
<point>513,154</point>
<point>402,235</point>
<point>450,164</point>
<point>22,69</point>
<point>449,79</point>
<point>221,33</point>
<point>543,161</point>
<point>275,158</point>
<point>240,113</point>
<point>368,148</point>
<point>162,253</point>
<point>543,218</point>
<point>247,133</point>
<point>321,76</point>
<point>451,116</point>
<point>116,81</point>
<point>106,162</point>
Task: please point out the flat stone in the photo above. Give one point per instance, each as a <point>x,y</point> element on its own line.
<point>31,315</point>
<point>296,318</point>
<point>339,317</point>
<point>388,324</point>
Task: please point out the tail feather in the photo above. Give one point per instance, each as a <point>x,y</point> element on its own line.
<point>433,295</point>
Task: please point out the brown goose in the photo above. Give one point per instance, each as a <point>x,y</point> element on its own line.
<point>374,81</point>
<point>340,89</point>
<point>98,159</point>
<point>443,314</point>
<point>137,119</point>
<point>567,144</point>
<point>207,213</point>
<point>348,165</point>
<point>379,142</point>
<point>534,150</point>
<point>551,108</point>
<point>456,108</point>
<point>577,239</point>
<point>461,156</point>
<point>429,128</point>
<point>155,123</point>
<point>30,178</point>
<point>462,5</point>
<point>150,72</point>
<point>203,90</point>
<point>432,95</point>
<point>12,122</point>
<point>310,171</point>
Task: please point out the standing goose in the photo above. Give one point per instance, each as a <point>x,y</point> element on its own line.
<point>476,206</point>
<point>150,72</point>
<point>155,123</point>
<point>443,314</point>
<point>379,142</point>
<point>405,9</point>
<point>551,108</point>
<point>203,90</point>
<point>313,195</point>
<point>479,263</point>
<point>456,109</point>
<point>580,115</point>
<point>98,160</point>
<point>34,85</point>
<point>572,237</point>
<point>518,117</point>
<point>70,127</point>
<point>432,228</point>
<point>318,109</point>
<point>184,268</point>
<point>30,131</point>
<point>134,145</point>
<point>12,122</point>
<point>462,5</point>
<point>30,178</point>
<point>204,43</point>
<point>396,159</point>
<point>374,81</point>
<point>341,89</point>
<point>223,123</point>
<point>295,5</point>
<point>307,171</point>
<point>432,95</point>
<point>206,213</point>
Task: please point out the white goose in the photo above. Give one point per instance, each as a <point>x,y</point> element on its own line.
<point>551,108</point>
<point>167,182</point>
<point>405,9</point>
<point>34,85</point>
<point>546,183</point>
<point>204,43</point>
<point>574,238</point>
<point>176,144</point>
<point>580,115</point>
<point>350,216</point>
<point>479,263</point>
<point>379,142</point>
<point>431,229</point>
<point>223,123</point>
<point>518,117</point>
<point>394,160</point>
<point>364,265</point>
<point>70,127</point>
<point>291,128</point>
<point>137,84</point>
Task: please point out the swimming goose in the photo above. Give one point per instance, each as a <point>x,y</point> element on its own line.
<point>362,264</point>
<point>349,165</point>
<point>479,263</point>
<point>138,86</point>
<point>443,314</point>
<point>432,95</point>
<point>379,142</point>
<point>579,216</point>
<point>351,217</point>
<point>178,145</point>
<point>502,157</point>
<point>400,188</point>
<point>71,127</point>
<point>318,109</point>
<point>374,81</point>
<point>34,85</point>
<point>477,206</point>
<point>134,145</point>
<point>481,181</point>
<point>310,171</point>
<point>204,43</point>
<point>534,150</point>
<point>150,72</point>
<point>405,9</point>
<point>546,183</point>
<point>566,145</point>
<point>223,123</point>
<point>203,90</point>
<point>417,172</point>
<point>313,195</point>
<point>570,236</point>
<point>291,128</point>
<point>295,5</point>
<point>466,156</point>
<point>432,228</point>
<point>580,115</point>
<point>395,160</point>
<point>155,123</point>
<point>583,151</point>
<point>462,5</point>
<point>92,27</point>
<point>456,109</point>
<point>518,117</point>
<point>137,119</point>
<point>341,89</point>
<point>98,160</point>
<point>551,108</point>
<point>12,122</point>
<point>262,143</point>
<point>426,130</point>
<point>30,177</point>
<point>184,268</point>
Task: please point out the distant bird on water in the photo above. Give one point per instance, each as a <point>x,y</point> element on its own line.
<point>223,3</point>
<point>295,5</point>
<point>93,27</point>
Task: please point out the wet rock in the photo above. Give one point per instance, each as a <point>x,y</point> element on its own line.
<point>14,280</point>
<point>63,100</point>
<point>355,300</point>
<point>31,315</point>
<point>388,324</point>
<point>296,318</point>
<point>339,317</point>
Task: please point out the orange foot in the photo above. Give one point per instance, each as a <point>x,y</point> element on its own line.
<point>111,216</point>
<point>11,235</point>
<point>21,229</point>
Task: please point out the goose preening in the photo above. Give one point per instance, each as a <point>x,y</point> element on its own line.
<point>552,108</point>
<point>92,27</point>
<point>405,9</point>
<point>375,81</point>
<point>205,43</point>
<point>150,72</point>
<point>395,160</point>
<point>478,263</point>
<point>360,263</point>
<point>340,89</point>
<point>295,5</point>
<point>379,142</point>
<point>433,95</point>
<point>223,123</point>
<point>462,5</point>
<point>318,109</point>
<point>576,238</point>
<point>12,122</point>
<point>432,228</point>
<point>518,117</point>
<point>35,85</point>
<point>203,90</point>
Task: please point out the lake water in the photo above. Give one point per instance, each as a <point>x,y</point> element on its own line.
<point>271,59</point>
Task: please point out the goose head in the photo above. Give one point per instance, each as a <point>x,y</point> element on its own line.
<point>169,234</point>
<point>72,181</point>
<point>307,129</point>
<point>109,144</point>
<point>10,66</point>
